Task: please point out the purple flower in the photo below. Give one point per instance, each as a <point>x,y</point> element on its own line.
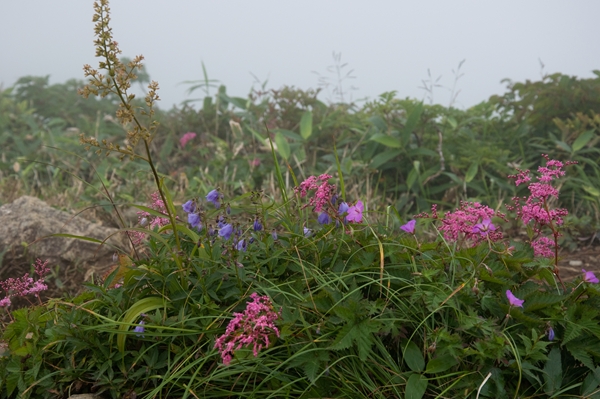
<point>274,235</point>
<point>241,245</point>
<point>214,196</point>
<point>139,329</point>
<point>355,212</point>
<point>343,208</point>
<point>257,225</point>
<point>189,206</point>
<point>589,277</point>
<point>5,302</point>
<point>409,227</point>
<point>513,300</point>
<point>194,220</point>
<point>225,231</point>
<point>550,334</point>
<point>483,227</point>
<point>324,218</point>
<point>307,232</point>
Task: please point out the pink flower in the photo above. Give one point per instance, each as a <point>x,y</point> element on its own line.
<point>513,300</point>
<point>355,212</point>
<point>251,328</point>
<point>484,227</point>
<point>185,138</point>
<point>409,227</point>
<point>590,277</point>
<point>323,191</point>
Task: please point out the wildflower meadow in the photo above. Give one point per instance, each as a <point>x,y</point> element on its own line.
<point>310,289</point>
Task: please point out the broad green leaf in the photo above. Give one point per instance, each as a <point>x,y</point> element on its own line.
<point>282,145</point>
<point>553,371</point>
<point>411,122</point>
<point>452,122</point>
<point>416,386</point>
<point>412,178</point>
<point>471,172</point>
<point>591,382</point>
<point>386,140</point>
<point>583,139</point>
<point>592,190</point>
<point>440,364</point>
<point>382,158</point>
<point>306,125</point>
<point>414,357</point>
<point>563,145</point>
<point>144,305</point>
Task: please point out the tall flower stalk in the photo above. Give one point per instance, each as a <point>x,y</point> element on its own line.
<point>118,82</point>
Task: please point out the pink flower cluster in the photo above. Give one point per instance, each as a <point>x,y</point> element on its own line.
<point>145,219</point>
<point>324,191</point>
<point>471,222</point>
<point>25,285</point>
<point>251,328</point>
<point>536,207</point>
<point>185,138</point>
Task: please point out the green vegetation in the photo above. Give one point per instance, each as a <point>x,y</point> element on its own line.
<point>322,286</point>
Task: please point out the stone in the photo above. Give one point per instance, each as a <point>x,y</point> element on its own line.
<point>25,227</point>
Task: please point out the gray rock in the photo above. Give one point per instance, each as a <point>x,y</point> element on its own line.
<point>25,227</point>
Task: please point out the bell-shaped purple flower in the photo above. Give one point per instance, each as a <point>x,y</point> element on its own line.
<point>194,220</point>
<point>343,208</point>
<point>324,218</point>
<point>257,225</point>
<point>225,231</point>
<point>189,206</point>
<point>214,196</point>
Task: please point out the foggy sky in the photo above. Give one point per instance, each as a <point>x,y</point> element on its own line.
<point>389,45</point>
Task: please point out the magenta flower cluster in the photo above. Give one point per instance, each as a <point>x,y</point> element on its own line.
<point>251,328</point>
<point>25,285</point>
<point>324,191</point>
<point>146,219</point>
<point>325,198</point>
<point>536,207</point>
<point>471,222</point>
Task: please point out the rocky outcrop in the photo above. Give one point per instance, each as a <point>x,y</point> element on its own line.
<point>26,227</point>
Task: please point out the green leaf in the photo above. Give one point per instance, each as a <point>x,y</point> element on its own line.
<point>563,145</point>
<point>590,383</point>
<point>411,122</point>
<point>382,158</point>
<point>412,178</point>
<point>582,140</point>
<point>471,172</point>
<point>440,364</point>
<point>592,190</point>
<point>416,386</point>
<point>414,357</point>
<point>386,140</point>
<point>553,371</point>
<point>306,125</point>
<point>144,305</point>
<point>283,148</point>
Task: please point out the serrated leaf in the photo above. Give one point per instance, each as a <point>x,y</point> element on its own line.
<point>360,333</point>
<point>306,125</point>
<point>416,386</point>
<point>413,357</point>
<point>591,382</point>
<point>553,371</point>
